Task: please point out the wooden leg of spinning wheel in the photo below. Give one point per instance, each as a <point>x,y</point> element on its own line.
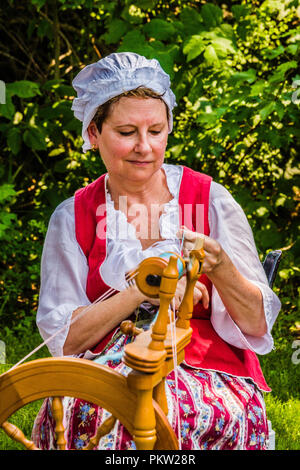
<point>144,432</point>
<point>159,395</point>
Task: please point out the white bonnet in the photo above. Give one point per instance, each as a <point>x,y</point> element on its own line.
<point>113,75</point>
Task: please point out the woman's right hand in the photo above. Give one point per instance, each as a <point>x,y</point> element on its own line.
<point>200,294</point>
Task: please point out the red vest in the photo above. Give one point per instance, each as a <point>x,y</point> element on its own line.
<point>207,349</point>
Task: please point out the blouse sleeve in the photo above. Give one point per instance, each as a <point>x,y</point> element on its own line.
<point>63,277</point>
<point>230,227</point>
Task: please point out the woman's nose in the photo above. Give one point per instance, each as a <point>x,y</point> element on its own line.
<point>142,144</point>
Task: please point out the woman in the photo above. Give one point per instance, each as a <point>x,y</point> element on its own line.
<point>135,211</point>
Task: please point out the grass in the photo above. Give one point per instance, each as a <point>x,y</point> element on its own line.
<point>283,403</point>
<point>285,418</point>
<point>282,375</point>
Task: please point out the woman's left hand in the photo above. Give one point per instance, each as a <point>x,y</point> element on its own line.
<point>241,298</point>
<point>214,254</point>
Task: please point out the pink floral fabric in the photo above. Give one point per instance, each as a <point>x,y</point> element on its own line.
<point>216,411</point>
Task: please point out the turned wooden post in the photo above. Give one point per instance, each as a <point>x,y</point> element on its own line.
<point>194,269</point>
<point>166,294</point>
<point>186,307</point>
<point>58,413</point>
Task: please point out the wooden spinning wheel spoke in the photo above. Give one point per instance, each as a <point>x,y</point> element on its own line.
<point>17,435</point>
<point>58,414</point>
<point>102,430</point>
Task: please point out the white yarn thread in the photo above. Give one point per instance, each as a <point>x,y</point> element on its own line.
<point>174,352</point>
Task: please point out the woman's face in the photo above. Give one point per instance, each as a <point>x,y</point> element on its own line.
<point>133,139</point>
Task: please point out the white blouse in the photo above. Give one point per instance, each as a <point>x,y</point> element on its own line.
<point>64,267</point>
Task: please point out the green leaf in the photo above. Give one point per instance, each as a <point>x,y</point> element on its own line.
<point>62,166</point>
<point>6,222</point>
<point>38,3</point>
<point>147,4</point>
<point>159,29</point>
<point>223,46</point>
<point>258,87</point>
<point>280,110</point>
<point>273,53</point>
<point>240,77</point>
<point>8,109</point>
<point>279,74</point>
<point>133,14</point>
<point>133,40</point>
<point>211,56</point>
<point>208,119</point>
<point>196,89</point>
<point>165,59</point>
<point>62,90</point>
<point>262,211</point>
<point>284,273</point>
<point>267,110</point>
<point>292,49</point>
<point>57,151</point>
<point>280,201</point>
<point>45,29</point>
<point>193,47</point>
<point>6,192</point>
<point>14,139</point>
<point>212,15</point>
<point>239,11</point>
<point>192,20</point>
<point>117,29</point>
<point>34,138</point>
<point>176,150</point>
<point>23,89</point>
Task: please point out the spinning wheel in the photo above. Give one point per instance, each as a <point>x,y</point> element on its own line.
<point>137,401</point>
<point>79,378</point>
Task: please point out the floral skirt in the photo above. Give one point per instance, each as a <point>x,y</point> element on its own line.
<point>214,411</point>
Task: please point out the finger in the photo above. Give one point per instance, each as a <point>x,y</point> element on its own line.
<point>185,233</point>
<point>204,293</point>
<point>191,240</point>
<point>188,245</point>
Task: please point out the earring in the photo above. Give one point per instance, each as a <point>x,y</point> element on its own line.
<point>94,148</point>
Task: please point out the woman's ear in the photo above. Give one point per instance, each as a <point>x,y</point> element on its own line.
<point>93,133</point>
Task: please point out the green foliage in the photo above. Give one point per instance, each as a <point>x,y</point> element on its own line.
<point>285,418</point>
<point>234,70</point>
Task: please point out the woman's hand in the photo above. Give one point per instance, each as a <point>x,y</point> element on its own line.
<point>241,298</point>
<point>200,293</point>
<point>214,255</point>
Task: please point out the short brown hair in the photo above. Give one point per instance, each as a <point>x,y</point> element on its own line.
<point>104,109</point>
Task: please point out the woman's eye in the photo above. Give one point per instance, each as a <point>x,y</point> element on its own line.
<point>155,132</point>
<point>126,133</point>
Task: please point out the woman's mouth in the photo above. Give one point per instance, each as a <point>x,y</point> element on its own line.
<point>139,163</point>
